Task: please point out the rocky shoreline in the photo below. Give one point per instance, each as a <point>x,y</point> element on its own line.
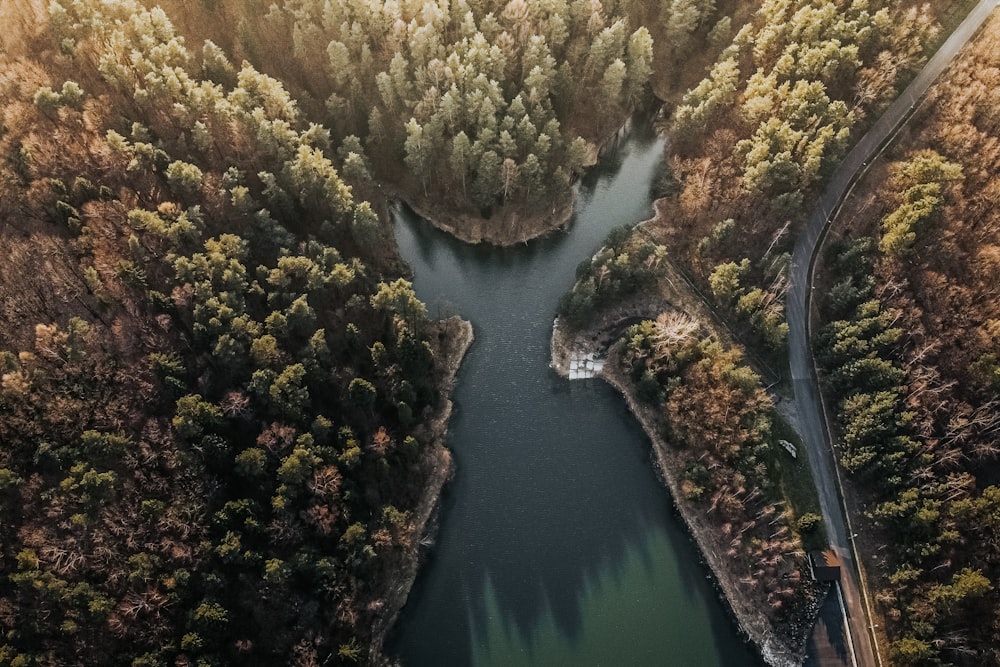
<point>454,337</point>
<point>775,649</point>
<point>507,227</point>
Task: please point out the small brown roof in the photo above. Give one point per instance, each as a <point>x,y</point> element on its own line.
<point>825,565</point>
<point>825,558</point>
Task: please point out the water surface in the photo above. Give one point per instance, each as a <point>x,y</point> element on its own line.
<point>557,544</point>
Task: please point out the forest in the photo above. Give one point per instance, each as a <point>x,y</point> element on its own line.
<point>911,347</point>
<point>218,394</point>
<point>474,112</point>
<point>753,141</point>
<point>222,403</point>
<point>722,431</point>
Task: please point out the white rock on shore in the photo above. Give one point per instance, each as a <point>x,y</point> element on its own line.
<point>584,366</point>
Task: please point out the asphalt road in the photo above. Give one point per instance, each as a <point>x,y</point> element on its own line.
<point>821,456</point>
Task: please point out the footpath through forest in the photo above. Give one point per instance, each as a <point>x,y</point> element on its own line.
<point>815,432</point>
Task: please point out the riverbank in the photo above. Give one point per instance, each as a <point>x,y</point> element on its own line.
<point>780,645</point>
<point>451,341</point>
<point>511,225</point>
<point>777,648</point>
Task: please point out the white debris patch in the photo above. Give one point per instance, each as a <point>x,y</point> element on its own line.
<point>584,366</point>
<point>789,447</point>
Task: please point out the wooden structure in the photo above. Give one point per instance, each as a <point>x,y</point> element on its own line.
<point>825,565</point>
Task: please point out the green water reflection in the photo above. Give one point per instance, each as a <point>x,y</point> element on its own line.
<point>633,613</point>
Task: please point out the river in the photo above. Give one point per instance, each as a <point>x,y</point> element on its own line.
<point>557,544</point>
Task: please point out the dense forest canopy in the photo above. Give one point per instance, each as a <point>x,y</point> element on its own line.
<point>911,346</point>
<point>753,141</point>
<point>221,402</point>
<point>482,112</point>
<point>467,108</point>
<point>216,404</point>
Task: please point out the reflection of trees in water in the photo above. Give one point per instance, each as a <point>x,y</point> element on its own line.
<point>554,486</point>
<point>556,490</point>
<point>535,561</point>
<point>552,558</point>
<point>615,153</point>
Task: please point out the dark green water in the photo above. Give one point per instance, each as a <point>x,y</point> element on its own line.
<point>557,544</point>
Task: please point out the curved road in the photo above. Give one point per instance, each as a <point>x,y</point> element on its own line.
<point>816,435</point>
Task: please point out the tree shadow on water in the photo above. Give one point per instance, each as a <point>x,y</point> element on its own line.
<point>554,498</point>
<point>535,536</point>
<point>536,525</point>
